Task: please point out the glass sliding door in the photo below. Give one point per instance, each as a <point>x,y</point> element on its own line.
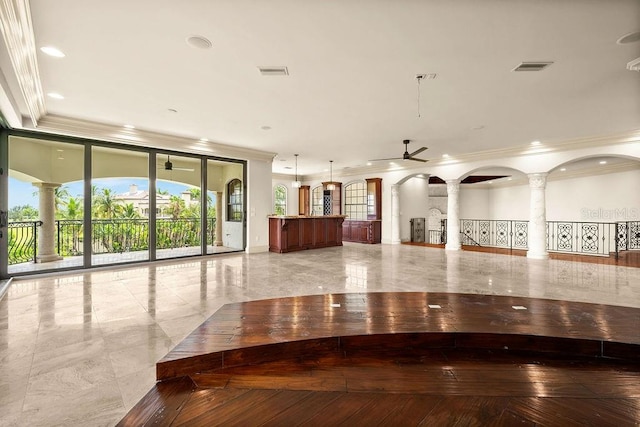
<point>119,205</point>
<point>45,193</point>
<point>178,206</point>
<point>225,206</point>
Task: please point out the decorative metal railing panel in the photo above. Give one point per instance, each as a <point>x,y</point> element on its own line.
<point>495,233</point>
<point>109,236</point>
<point>628,235</point>
<point>23,241</point>
<point>592,238</point>
<point>435,237</point>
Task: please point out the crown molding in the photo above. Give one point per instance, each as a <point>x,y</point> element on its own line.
<point>67,126</point>
<point>546,148</point>
<point>17,32</point>
<point>557,175</point>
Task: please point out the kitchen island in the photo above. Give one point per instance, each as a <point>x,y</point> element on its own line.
<point>289,233</point>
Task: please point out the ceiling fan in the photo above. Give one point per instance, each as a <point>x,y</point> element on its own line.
<point>407,155</point>
<point>168,166</point>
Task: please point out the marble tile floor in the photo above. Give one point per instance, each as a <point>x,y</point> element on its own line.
<point>115,258</point>
<point>80,348</point>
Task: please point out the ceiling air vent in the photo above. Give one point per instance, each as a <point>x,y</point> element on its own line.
<point>274,71</point>
<point>532,66</point>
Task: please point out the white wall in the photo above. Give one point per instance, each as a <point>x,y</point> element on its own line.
<point>259,207</point>
<point>599,198</point>
<point>509,203</point>
<point>414,203</point>
<point>474,202</point>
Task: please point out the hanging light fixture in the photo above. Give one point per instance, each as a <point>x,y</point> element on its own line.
<point>296,183</point>
<point>331,186</point>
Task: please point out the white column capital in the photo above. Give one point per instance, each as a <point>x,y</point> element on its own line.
<point>537,180</point>
<point>453,186</point>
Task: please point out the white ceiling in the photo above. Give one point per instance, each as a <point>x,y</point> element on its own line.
<point>352,93</point>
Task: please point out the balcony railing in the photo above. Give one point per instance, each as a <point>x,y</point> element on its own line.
<point>109,236</point>
<point>588,238</point>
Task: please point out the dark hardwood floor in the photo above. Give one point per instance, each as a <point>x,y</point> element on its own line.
<point>398,359</point>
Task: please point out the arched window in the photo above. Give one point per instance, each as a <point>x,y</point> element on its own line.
<point>355,200</point>
<point>234,200</point>
<point>280,200</point>
<point>316,201</point>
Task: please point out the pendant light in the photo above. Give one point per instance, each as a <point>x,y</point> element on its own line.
<point>296,183</point>
<point>331,186</point>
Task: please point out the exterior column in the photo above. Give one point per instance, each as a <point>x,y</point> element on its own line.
<point>395,214</point>
<point>537,217</point>
<point>453,215</point>
<point>47,232</point>
<point>218,241</point>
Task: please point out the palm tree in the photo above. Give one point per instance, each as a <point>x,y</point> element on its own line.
<point>74,208</point>
<point>176,206</point>
<point>61,195</point>
<point>107,206</point>
<point>129,211</point>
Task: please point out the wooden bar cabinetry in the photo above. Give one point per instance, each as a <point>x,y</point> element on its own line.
<point>297,233</point>
<point>362,231</point>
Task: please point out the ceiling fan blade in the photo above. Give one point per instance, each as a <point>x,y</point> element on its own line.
<point>418,160</point>
<point>385,160</point>
<point>418,151</point>
<point>183,169</point>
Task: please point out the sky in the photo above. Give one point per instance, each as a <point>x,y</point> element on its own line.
<point>24,193</point>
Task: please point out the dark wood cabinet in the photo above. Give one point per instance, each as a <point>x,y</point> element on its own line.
<point>291,233</point>
<point>304,205</point>
<point>374,198</point>
<point>362,231</point>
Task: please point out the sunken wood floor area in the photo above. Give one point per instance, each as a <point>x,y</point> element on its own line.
<point>406,358</point>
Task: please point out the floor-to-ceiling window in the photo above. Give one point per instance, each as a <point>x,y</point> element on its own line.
<point>74,203</point>
<point>45,205</point>
<point>119,205</point>
<point>178,206</point>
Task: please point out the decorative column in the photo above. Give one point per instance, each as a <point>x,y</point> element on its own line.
<point>453,215</point>
<point>395,214</point>
<point>427,216</point>
<point>537,217</point>
<point>47,232</point>
<point>218,241</point>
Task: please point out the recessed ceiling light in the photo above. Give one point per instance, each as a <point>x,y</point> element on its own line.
<point>288,167</point>
<point>369,163</point>
<point>489,182</point>
<point>52,51</point>
<point>199,42</point>
<point>204,140</point>
<point>563,169</point>
<point>265,127</point>
<point>603,162</point>
<point>129,126</point>
<point>445,156</point>
<point>55,95</point>
<point>509,179</point>
<point>629,38</point>
<point>534,143</point>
